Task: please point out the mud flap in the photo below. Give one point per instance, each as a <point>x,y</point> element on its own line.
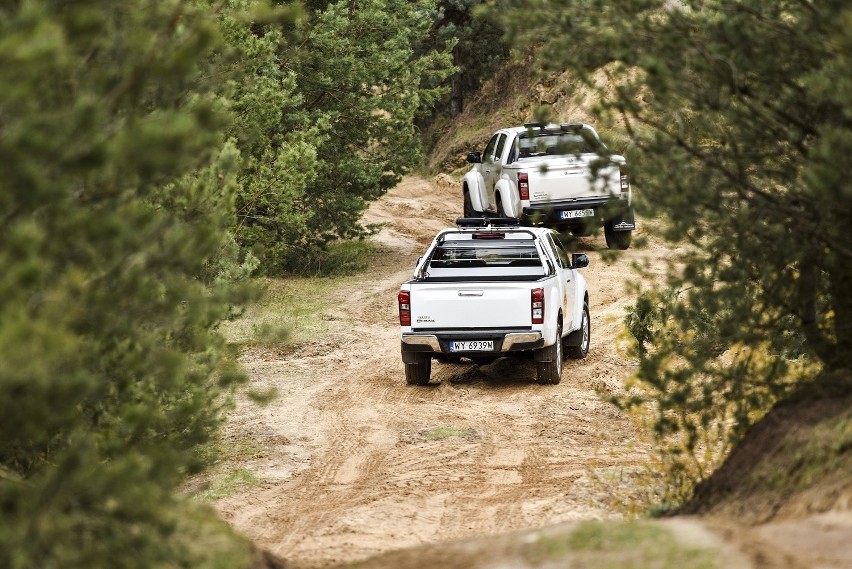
<point>543,354</point>
<point>416,357</point>
<point>624,221</point>
<point>573,339</point>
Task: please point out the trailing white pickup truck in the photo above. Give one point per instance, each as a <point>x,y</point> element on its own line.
<point>488,289</point>
<point>555,175</point>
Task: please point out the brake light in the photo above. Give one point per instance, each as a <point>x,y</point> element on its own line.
<point>537,305</point>
<point>625,183</point>
<point>524,185</point>
<point>488,236</point>
<point>404,299</point>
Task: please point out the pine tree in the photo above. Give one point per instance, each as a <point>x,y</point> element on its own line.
<point>114,201</point>
<point>478,46</point>
<point>739,117</point>
<point>327,122</point>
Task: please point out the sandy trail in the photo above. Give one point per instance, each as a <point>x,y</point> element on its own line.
<point>357,463</point>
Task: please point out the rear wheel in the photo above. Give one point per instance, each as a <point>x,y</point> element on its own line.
<point>418,373</point>
<point>577,342</point>
<point>617,239</point>
<point>549,371</point>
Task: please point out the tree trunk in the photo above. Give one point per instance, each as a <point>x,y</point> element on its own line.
<point>840,285</point>
<point>456,87</point>
<point>808,292</point>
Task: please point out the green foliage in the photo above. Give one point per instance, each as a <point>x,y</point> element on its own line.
<point>114,200</point>
<point>739,118</point>
<point>156,154</point>
<point>478,47</point>
<point>621,545</point>
<point>325,120</point>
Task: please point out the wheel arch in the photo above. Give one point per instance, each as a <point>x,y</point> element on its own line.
<point>508,197</point>
<point>473,188</point>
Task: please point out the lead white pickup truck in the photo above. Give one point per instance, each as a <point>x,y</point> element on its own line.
<point>554,175</point>
<point>488,289</point>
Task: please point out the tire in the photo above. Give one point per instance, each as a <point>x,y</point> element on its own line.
<point>550,372</point>
<point>501,211</point>
<point>577,342</point>
<point>418,373</point>
<point>468,206</point>
<point>617,239</point>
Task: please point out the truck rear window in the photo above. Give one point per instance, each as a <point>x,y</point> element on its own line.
<point>553,144</point>
<point>467,254</point>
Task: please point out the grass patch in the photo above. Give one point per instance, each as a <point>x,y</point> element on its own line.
<point>343,258</point>
<point>639,545</point>
<point>292,309</point>
<point>440,433</point>
<point>229,483</point>
<point>229,450</point>
<point>297,308</point>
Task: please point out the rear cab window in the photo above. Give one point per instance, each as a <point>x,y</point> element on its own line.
<point>548,142</point>
<point>486,255</point>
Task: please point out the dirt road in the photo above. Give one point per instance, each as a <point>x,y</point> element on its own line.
<point>356,462</point>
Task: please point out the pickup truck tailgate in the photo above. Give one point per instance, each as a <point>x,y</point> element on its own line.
<point>567,178</point>
<point>470,305</point>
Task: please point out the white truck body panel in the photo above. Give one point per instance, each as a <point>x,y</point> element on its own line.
<point>470,305</point>
<point>564,177</point>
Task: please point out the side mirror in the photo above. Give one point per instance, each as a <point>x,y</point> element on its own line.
<point>474,158</point>
<point>579,260</point>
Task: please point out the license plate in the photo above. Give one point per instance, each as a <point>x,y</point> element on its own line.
<point>571,214</point>
<point>472,346</point>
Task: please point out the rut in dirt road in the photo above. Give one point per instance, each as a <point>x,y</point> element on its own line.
<point>359,463</point>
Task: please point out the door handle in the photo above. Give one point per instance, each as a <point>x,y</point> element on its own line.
<point>469,292</point>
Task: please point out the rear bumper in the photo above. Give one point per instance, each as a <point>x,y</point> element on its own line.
<point>616,211</point>
<point>505,341</point>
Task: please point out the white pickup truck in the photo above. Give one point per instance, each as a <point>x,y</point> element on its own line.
<point>488,289</point>
<point>555,175</point>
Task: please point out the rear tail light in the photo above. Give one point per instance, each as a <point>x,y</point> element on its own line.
<point>625,183</point>
<point>404,299</point>
<point>537,305</point>
<point>524,185</point>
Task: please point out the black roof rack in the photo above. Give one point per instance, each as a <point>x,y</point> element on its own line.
<point>483,222</point>
<point>535,124</point>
